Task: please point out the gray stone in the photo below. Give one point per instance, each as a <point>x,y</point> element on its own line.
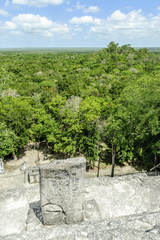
<point>33,174</point>
<point>125,195</point>
<point>136,227</point>
<point>1,166</point>
<point>45,158</point>
<point>23,166</point>
<point>91,211</point>
<point>14,206</point>
<point>33,221</point>
<point>62,191</point>
<point>120,208</point>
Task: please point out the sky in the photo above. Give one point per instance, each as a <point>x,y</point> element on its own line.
<point>82,23</point>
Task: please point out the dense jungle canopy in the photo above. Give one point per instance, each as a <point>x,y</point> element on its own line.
<point>82,102</point>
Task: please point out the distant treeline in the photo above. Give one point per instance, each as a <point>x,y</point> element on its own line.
<point>49,50</point>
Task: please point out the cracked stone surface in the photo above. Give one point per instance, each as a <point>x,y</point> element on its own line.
<point>136,227</point>
<point>125,208</point>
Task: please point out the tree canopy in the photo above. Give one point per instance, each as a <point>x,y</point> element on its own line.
<point>76,101</point>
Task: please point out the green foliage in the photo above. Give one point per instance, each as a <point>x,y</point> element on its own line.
<point>8,141</point>
<point>18,116</point>
<point>77,100</point>
<point>134,123</point>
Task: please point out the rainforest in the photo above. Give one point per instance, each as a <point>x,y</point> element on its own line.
<point>100,103</point>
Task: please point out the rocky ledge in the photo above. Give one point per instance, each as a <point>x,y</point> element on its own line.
<point>137,227</point>
<point>120,208</point>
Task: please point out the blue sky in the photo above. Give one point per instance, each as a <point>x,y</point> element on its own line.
<point>83,23</point>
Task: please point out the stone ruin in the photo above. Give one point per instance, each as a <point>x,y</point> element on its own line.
<point>1,166</point>
<point>62,191</point>
<point>33,174</point>
<point>67,206</point>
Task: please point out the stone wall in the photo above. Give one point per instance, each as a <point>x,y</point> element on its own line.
<point>140,227</point>
<point>121,196</point>
<point>14,207</point>
<point>126,206</point>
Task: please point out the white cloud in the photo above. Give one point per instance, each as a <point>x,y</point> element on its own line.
<point>16,33</point>
<point>10,25</point>
<point>38,3</point>
<point>22,2</point>
<point>158,8</point>
<point>117,15</point>
<point>3,13</point>
<point>133,27</point>
<point>125,24</point>
<point>36,25</point>
<point>92,9</point>
<point>85,20</point>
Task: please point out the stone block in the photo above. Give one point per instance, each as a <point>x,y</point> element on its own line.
<point>62,184</point>
<point>1,166</point>
<point>33,174</point>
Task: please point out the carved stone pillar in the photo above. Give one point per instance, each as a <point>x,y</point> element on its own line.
<point>62,191</point>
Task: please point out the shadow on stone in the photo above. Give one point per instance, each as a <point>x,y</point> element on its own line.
<point>34,218</point>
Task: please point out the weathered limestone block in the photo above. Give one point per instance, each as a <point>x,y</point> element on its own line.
<point>33,174</point>
<point>62,191</point>
<point>1,166</point>
<point>123,195</point>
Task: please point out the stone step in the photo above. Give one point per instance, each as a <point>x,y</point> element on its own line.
<point>136,227</point>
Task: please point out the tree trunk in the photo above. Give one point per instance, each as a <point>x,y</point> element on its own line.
<point>14,156</point>
<point>113,159</point>
<point>99,161</point>
<point>155,158</point>
<point>155,162</point>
